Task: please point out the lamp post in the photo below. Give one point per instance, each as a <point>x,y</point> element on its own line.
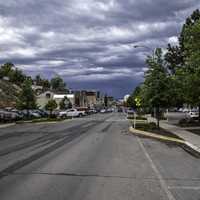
<point>146,47</point>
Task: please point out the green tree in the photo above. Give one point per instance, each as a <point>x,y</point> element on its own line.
<point>191,43</point>
<point>38,80</point>
<point>174,58</point>
<point>46,84</point>
<point>157,84</point>
<point>16,76</point>
<point>136,94</point>
<point>183,62</point>
<point>106,101</point>
<point>6,69</point>
<point>64,104</point>
<point>50,106</point>
<point>26,99</point>
<point>58,84</point>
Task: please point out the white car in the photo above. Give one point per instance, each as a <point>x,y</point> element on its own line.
<point>185,110</point>
<point>103,111</point>
<point>75,113</point>
<point>62,114</point>
<point>71,113</point>
<point>193,115</point>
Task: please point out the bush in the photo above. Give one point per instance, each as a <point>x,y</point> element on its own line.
<point>188,122</point>
<point>146,126</point>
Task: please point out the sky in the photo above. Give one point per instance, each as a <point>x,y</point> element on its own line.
<point>89,43</point>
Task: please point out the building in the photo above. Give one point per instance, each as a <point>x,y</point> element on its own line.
<point>44,97</point>
<point>86,98</point>
<point>78,98</point>
<point>37,89</point>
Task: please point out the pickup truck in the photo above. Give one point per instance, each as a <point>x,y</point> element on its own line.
<point>72,113</point>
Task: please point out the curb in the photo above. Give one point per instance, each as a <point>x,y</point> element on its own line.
<point>156,136</point>
<point>7,125</point>
<point>32,122</point>
<point>194,150</point>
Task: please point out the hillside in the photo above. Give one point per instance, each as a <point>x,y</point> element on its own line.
<point>8,93</point>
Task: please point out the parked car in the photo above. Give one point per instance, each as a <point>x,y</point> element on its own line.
<point>109,110</point>
<point>92,111</point>
<point>185,110</point>
<point>9,116</point>
<point>193,115</point>
<point>75,113</point>
<point>85,109</point>
<point>103,111</point>
<point>71,113</point>
<point>62,114</point>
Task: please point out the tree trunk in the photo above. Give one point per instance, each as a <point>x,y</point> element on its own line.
<point>158,117</point>
<point>51,114</point>
<point>27,114</point>
<point>199,113</point>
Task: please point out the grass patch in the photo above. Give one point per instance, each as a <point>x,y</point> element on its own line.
<point>151,127</point>
<point>137,118</point>
<point>40,120</point>
<point>188,123</point>
<point>47,120</point>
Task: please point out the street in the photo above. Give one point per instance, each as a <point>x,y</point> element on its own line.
<point>91,158</point>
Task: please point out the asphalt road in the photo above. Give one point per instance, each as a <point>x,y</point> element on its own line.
<point>93,158</point>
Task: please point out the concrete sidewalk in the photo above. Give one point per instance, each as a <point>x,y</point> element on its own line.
<point>192,140</point>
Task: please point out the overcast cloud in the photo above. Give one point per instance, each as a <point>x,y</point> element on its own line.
<point>88,42</point>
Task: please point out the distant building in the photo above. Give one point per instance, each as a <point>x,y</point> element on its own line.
<point>37,89</point>
<point>43,98</point>
<point>111,101</point>
<point>86,98</point>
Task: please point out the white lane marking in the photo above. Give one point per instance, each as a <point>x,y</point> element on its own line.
<point>185,187</point>
<point>160,178</point>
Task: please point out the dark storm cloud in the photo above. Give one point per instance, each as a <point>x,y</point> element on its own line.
<point>89,42</point>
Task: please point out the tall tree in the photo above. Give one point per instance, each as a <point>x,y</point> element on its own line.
<point>58,84</point>
<point>16,76</point>
<point>191,42</point>
<point>46,84</point>
<point>183,62</point>
<point>157,84</point>
<point>174,58</point>
<point>26,98</point>
<point>6,69</point>
<point>64,104</point>
<point>50,106</point>
<point>38,80</point>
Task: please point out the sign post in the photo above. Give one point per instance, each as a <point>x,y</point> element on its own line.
<point>134,120</point>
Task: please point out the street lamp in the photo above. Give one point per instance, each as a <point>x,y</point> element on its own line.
<point>146,47</point>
